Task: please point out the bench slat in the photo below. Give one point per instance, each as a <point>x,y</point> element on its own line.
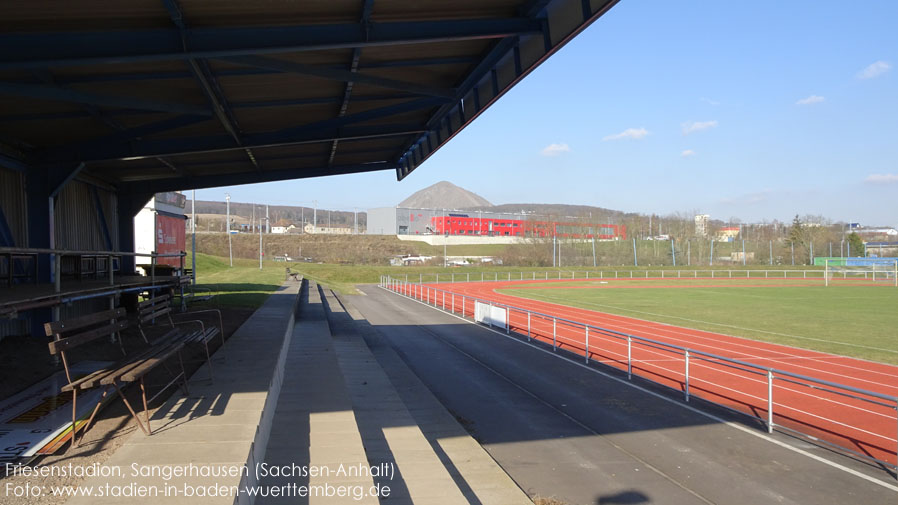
<point>137,361</point>
<point>156,300</point>
<point>75,323</point>
<point>148,315</point>
<point>65,344</point>
<point>151,363</point>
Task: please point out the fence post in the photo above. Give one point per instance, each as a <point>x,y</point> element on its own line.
<point>528,326</point>
<point>769,401</point>
<point>687,375</point>
<point>453,303</point>
<point>554,333</point>
<point>629,357</point>
<point>462,305</point>
<point>489,319</point>
<point>586,352</point>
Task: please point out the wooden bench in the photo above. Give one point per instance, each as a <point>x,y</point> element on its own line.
<point>294,275</point>
<point>71,333</point>
<point>157,306</point>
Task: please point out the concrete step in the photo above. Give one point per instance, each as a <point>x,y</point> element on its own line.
<point>478,476</point>
<point>314,424</point>
<point>390,433</point>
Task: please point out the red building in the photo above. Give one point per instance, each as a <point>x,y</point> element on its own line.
<point>465,224</point>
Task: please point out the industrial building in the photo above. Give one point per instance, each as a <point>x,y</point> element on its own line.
<point>404,221</point>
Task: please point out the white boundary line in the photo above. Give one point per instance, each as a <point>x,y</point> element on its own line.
<point>670,400</point>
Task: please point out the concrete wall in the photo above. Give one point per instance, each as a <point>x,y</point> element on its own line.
<point>461,239</point>
<point>382,221</point>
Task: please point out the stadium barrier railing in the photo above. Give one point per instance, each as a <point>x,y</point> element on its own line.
<point>766,394</point>
<point>659,273</point>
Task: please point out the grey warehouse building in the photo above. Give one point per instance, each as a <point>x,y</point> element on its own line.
<point>414,221</point>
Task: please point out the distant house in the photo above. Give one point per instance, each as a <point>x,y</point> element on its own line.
<point>727,234</point>
<point>283,229</point>
<point>324,230</point>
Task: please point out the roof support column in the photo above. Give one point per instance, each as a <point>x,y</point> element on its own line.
<point>39,208</point>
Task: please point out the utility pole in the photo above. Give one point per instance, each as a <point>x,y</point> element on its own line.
<point>355,220</point>
<point>593,248</point>
<point>554,258</point>
<point>267,221</point>
<point>315,214</point>
<point>252,221</point>
<point>230,250</point>
<point>193,231</point>
<point>260,242</point>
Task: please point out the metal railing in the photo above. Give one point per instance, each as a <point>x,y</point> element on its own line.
<point>797,406</point>
<point>650,273</point>
<point>58,254</point>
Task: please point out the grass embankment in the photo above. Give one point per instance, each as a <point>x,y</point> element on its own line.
<point>857,321</point>
<point>337,249</point>
<point>242,285</point>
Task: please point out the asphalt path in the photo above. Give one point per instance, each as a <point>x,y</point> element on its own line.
<point>562,430</point>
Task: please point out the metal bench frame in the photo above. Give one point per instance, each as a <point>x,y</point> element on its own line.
<point>158,306</point>
<point>77,331</point>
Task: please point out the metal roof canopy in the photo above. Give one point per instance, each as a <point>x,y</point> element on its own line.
<point>156,95</point>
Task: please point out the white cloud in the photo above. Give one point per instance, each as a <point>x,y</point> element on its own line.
<point>810,100</point>
<point>875,69</point>
<point>687,153</point>
<point>709,101</point>
<point>695,126</point>
<point>555,149</point>
<point>629,133</point>
<point>882,179</point>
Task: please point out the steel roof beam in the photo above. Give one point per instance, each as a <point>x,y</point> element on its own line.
<point>40,116</point>
<point>211,181</point>
<point>142,149</point>
<point>367,6</point>
<point>341,75</point>
<point>50,49</point>
<point>61,94</point>
<point>125,135</point>
<point>239,72</point>
<point>204,76</point>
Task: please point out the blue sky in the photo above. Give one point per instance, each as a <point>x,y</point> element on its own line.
<point>756,110</point>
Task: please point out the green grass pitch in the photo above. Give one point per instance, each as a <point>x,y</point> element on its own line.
<point>847,320</point>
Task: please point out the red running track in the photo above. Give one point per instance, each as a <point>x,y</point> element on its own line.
<point>860,426</point>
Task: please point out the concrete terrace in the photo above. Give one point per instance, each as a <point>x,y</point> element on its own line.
<point>317,390</point>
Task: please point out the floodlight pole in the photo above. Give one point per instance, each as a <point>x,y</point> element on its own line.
<point>260,242</point>
<point>228,206</point>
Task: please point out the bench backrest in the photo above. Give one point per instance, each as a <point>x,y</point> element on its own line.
<point>153,308</point>
<point>77,331</point>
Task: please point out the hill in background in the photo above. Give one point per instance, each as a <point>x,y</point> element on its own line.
<point>445,195</point>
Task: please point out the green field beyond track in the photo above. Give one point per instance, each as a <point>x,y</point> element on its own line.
<point>859,321</point>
